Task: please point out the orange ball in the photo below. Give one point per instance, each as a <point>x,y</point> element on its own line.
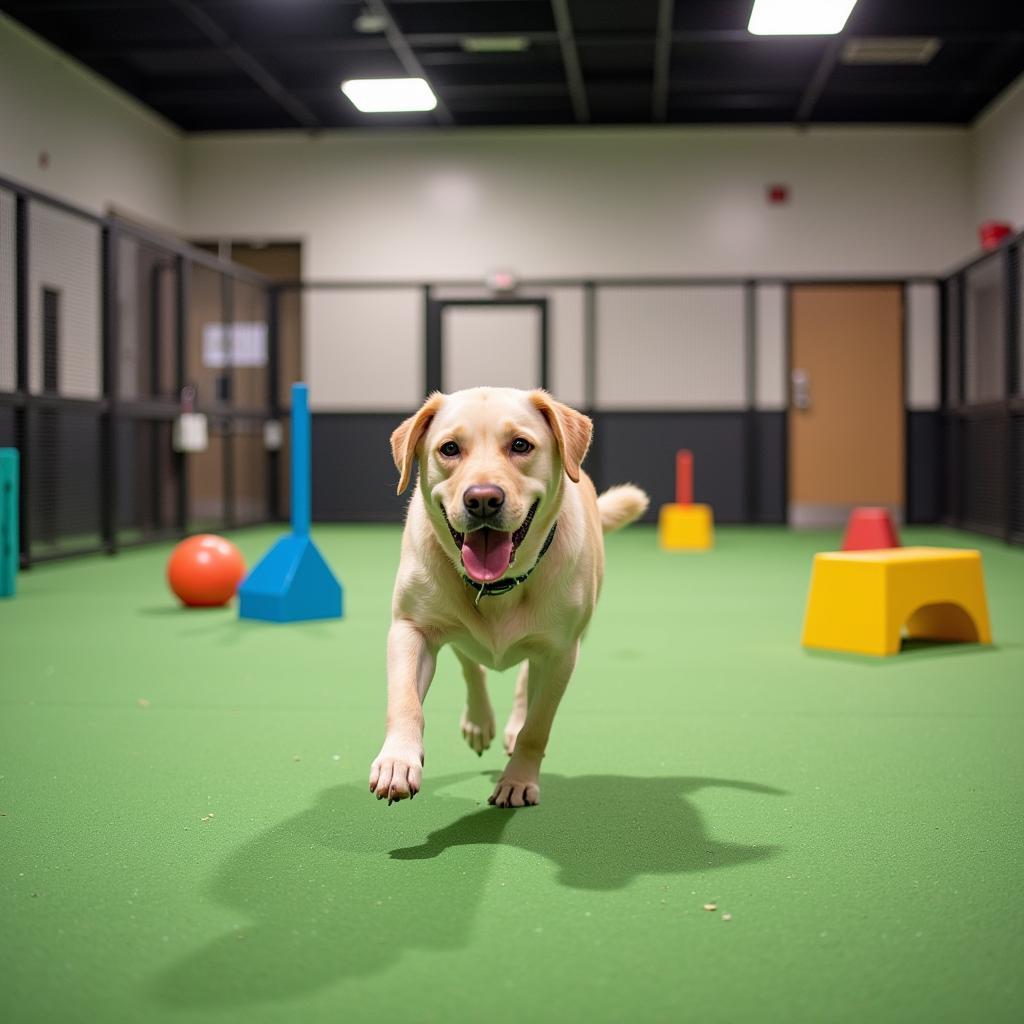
<point>205,570</point>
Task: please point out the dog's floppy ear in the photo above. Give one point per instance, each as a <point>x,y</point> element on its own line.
<point>572,431</point>
<point>407,437</point>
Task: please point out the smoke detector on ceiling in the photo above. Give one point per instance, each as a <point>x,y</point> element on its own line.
<point>896,50</point>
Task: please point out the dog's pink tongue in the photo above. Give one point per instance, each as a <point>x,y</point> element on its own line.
<point>486,554</point>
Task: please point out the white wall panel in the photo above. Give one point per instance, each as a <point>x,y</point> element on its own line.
<point>771,347</point>
<point>592,201</point>
<point>484,346</point>
<point>363,349</point>
<point>997,159</point>
<point>922,345</point>
<point>103,147</point>
<point>670,348</point>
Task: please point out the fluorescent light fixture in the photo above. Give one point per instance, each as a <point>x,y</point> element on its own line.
<point>381,95</point>
<point>799,17</point>
<point>495,44</point>
<point>900,50</point>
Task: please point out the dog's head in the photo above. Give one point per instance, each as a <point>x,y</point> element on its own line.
<point>491,471</point>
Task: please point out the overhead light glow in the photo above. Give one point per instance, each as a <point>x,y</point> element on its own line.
<point>383,95</point>
<point>495,44</point>
<point>369,23</point>
<point>799,17</point>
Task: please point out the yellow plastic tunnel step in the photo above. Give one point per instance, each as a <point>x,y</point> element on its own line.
<point>864,601</point>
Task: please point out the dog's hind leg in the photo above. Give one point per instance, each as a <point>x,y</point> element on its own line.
<point>519,705</point>
<point>477,723</point>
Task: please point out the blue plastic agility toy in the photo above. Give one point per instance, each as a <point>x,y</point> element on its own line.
<point>292,582</point>
<point>8,521</point>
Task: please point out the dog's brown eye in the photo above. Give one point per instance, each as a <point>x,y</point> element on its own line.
<point>449,449</point>
<point>521,446</point>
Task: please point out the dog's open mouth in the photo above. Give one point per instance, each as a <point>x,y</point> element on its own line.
<point>487,553</point>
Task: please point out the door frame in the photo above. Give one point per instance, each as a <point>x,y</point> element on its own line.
<point>433,366</point>
<point>903,283</point>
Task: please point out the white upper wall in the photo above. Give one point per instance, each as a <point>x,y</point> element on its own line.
<point>443,204</point>
<point>997,150</point>
<point>104,148</point>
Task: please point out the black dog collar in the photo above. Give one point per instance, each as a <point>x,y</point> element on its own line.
<point>507,583</point>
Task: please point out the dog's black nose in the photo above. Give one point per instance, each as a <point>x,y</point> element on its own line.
<point>483,500</point>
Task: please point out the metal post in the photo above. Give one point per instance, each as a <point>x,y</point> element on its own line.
<point>1012,306</point>
<point>273,403</point>
<point>961,392</point>
<point>944,415</point>
<point>228,432</point>
<point>594,468</point>
<point>752,476</point>
<point>111,387</point>
<point>183,270</point>
<point>156,286</point>
<point>21,341</point>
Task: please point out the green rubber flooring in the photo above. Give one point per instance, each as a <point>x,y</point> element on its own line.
<point>186,834</point>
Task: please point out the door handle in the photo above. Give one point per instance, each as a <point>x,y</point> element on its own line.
<point>800,390</point>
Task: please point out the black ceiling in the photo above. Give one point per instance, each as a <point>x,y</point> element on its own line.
<point>256,64</point>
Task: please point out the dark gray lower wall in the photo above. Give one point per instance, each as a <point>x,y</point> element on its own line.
<point>7,424</point>
<point>772,484</point>
<point>925,491</point>
<point>354,478</point>
<point>641,448</point>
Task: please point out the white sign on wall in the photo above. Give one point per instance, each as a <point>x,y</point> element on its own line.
<point>239,344</point>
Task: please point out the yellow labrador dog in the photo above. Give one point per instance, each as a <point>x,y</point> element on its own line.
<point>502,557</point>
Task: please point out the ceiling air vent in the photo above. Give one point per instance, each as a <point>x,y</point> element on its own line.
<point>898,50</point>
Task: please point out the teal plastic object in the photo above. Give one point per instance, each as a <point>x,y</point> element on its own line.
<point>8,521</point>
<point>293,582</point>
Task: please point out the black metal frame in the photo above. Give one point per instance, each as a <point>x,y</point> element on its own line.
<point>1006,412</point>
<point>434,362</point>
<point>111,410</point>
<point>589,285</point>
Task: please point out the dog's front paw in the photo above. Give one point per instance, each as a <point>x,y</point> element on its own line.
<point>478,727</point>
<point>397,771</point>
<point>519,785</point>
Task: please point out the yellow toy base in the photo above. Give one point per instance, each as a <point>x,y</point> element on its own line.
<point>686,527</point>
<point>861,601</point>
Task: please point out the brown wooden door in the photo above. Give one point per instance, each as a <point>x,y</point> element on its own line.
<point>846,410</point>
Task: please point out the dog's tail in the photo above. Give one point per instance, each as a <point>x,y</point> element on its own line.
<point>620,505</point>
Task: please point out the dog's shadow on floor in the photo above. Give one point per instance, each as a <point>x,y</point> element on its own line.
<point>348,886</point>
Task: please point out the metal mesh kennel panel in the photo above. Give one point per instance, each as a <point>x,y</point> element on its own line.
<point>985,330</point>
<point>983,462</point>
<point>207,487</point>
<point>207,355</point>
<point>251,497</point>
<point>147,481</point>
<point>64,303</point>
<point>147,279</point>
<point>64,481</point>
<point>248,349</point>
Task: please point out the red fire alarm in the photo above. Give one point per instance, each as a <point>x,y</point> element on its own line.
<point>778,194</point>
